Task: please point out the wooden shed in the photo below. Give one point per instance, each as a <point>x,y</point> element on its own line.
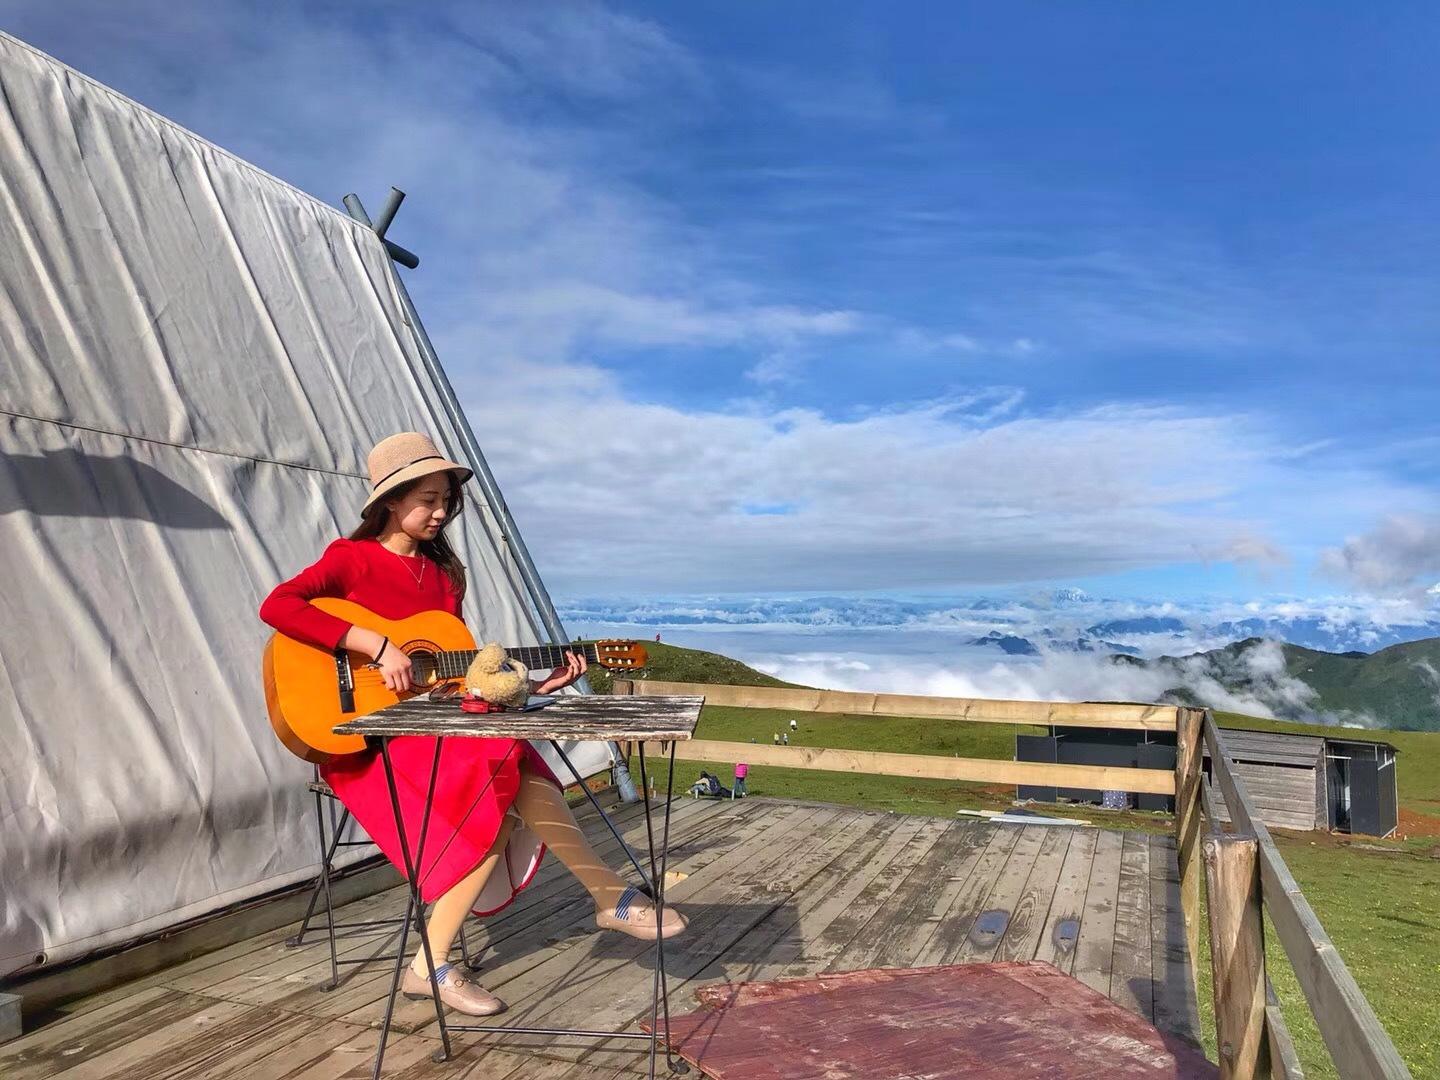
<point>1285,775</point>
<point>1307,782</point>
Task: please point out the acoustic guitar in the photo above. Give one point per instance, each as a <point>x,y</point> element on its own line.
<point>309,690</point>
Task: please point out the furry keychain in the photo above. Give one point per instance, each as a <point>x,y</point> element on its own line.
<point>498,679</point>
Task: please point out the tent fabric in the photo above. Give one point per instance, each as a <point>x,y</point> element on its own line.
<point>196,359</point>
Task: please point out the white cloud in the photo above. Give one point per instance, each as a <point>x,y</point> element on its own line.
<point>591,313</point>
<point>934,494</point>
<point>1402,553</point>
<point>1253,550</point>
<point>1255,684</point>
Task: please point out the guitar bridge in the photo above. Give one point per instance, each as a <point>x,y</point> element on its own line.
<point>344,681</point>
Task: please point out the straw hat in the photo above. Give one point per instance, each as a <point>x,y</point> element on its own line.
<point>405,457</point>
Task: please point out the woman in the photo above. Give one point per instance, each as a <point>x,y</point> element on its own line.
<point>496,803</point>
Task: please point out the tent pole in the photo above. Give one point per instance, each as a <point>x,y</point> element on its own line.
<point>539,596</point>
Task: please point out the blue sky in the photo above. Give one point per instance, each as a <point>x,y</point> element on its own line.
<point>886,297</point>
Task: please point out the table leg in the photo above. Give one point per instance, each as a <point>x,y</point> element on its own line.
<point>644,878</point>
<point>416,906</point>
<point>657,891</point>
<point>661,990</point>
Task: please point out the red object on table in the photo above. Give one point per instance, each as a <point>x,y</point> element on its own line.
<point>479,705</point>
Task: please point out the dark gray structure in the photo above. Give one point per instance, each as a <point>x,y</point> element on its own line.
<point>1298,781</point>
<point>1361,792</point>
<point>1097,746</point>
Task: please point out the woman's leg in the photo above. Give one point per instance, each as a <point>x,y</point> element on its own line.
<point>542,806</point>
<point>448,913</point>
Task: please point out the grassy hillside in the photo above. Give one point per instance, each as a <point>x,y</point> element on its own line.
<point>1399,685</point>
<point>1397,688</point>
<point>671,663</point>
<point>1418,763</point>
<point>1377,903</point>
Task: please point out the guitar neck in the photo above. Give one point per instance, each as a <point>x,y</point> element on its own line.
<point>454,663</point>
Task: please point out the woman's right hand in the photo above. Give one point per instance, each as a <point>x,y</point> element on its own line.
<point>393,664</point>
<point>394,668</point>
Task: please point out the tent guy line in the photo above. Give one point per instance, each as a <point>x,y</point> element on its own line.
<point>182,446</point>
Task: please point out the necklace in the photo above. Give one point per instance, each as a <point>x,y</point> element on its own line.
<point>420,578</point>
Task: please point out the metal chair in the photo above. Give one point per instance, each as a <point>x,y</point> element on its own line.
<point>321,888</point>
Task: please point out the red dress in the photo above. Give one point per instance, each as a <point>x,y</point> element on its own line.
<point>467,813</point>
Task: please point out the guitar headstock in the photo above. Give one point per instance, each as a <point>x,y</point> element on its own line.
<point>614,654</point>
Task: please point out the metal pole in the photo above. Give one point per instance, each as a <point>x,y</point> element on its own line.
<point>387,212</point>
<point>493,497</point>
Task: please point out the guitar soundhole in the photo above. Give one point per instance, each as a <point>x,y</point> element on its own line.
<point>423,665</point>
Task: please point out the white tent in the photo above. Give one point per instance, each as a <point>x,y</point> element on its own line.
<point>194,359</point>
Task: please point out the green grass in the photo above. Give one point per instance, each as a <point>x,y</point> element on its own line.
<point>1378,908</point>
<point>841,731</point>
<point>1377,901</point>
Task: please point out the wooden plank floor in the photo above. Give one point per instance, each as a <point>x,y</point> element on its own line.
<point>772,890</point>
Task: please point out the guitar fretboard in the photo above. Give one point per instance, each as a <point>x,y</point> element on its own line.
<point>454,664</point>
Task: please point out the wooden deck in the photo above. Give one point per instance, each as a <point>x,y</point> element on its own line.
<point>773,890</point>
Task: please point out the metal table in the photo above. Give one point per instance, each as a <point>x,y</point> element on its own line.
<point>571,717</point>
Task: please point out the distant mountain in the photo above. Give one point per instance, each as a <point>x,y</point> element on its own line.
<point>1397,687</point>
<point>1308,631</point>
<point>1146,628</point>
<point>1009,644</point>
<point>1092,645</point>
<point>1147,624</point>
<point>1318,633</point>
<point>1015,645</point>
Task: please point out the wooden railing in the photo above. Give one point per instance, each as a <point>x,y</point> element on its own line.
<point>974,710</point>
<point>1246,875</point>
<point>1244,871</point>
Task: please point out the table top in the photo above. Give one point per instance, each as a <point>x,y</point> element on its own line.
<point>571,716</point>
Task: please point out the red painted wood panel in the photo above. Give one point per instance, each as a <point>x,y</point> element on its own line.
<point>1010,1020</point>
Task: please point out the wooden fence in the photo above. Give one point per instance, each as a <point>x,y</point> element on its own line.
<point>974,710</point>
<point>1243,869</point>
<point>1246,875</point>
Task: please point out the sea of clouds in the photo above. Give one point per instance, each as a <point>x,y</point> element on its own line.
<point>1057,646</point>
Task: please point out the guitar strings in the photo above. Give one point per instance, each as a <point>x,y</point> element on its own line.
<point>433,666</point>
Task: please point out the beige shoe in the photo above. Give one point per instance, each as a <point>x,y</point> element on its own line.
<point>456,991</point>
<point>634,914</point>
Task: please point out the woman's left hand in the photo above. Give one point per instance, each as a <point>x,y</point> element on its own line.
<point>573,668</point>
